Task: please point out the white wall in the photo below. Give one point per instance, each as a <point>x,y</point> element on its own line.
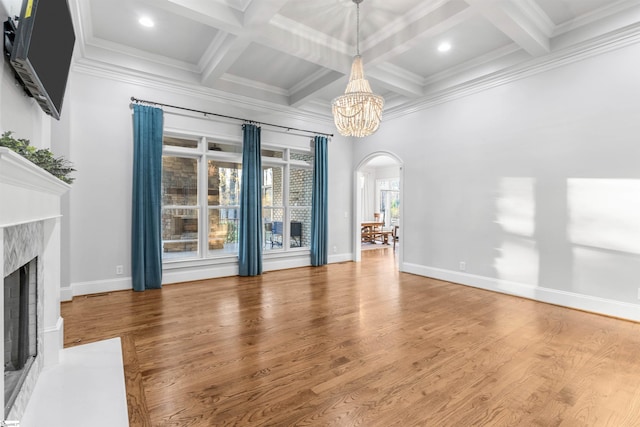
<point>534,184</point>
<point>10,8</point>
<point>101,147</point>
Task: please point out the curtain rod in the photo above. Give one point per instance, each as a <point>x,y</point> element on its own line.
<point>206,113</point>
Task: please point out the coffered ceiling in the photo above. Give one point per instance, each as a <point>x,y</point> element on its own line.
<point>297,53</point>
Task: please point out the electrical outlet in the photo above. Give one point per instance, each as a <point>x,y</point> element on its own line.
<point>638,293</point>
<point>463,266</point>
<point>119,269</point>
<point>335,249</point>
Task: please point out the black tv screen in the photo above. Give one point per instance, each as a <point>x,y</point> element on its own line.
<point>42,50</point>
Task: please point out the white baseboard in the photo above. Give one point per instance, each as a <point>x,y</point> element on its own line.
<point>94,287</point>
<point>191,274</point>
<point>336,258</point>
<point>195,272</point>
<point>53,343</point>
<point>282,263</point>
<point>577,301</point>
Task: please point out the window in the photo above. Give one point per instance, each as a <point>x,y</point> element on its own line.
<point>286,201</point>
<point>201,181</point>
<point>389,200</point>
<point>179,207</point>
<point>300,190</point>
<point>223,202</point>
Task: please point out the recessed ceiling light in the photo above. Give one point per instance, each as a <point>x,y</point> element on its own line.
<point>145,21</point>
<point>444,47</point>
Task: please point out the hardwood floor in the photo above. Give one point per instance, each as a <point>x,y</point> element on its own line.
<point>359,344</point>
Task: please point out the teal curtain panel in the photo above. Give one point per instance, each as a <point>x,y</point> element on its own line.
<point>319,211</point>
<point>146,225</point>
<point>250,232</point>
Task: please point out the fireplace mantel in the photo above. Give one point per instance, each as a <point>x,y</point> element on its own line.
<point>29,194</point>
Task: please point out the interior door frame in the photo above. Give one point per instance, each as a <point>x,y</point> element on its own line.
<point>357,200</point>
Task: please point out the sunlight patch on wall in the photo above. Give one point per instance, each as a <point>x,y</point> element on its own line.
<point>517,257</point>
<point>518,261</point>
<point>515,206</point>
<point>605,213</point>
<point>605,274</point>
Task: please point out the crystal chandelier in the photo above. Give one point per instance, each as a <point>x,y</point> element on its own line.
<point>358,112</point>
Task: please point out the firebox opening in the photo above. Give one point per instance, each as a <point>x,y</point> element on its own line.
<point>20,328</point>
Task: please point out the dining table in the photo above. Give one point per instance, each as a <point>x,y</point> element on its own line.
<point>371,231</point>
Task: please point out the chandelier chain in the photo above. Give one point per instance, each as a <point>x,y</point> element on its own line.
<point>358,29</point>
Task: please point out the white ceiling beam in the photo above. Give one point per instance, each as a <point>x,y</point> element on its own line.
<point>208,12</point>
<point>226,49</point>
<point>260,12</point>
<point>307,48</point>
<point>520,20</point>
<point>223,52</point>
<point>396,79</point>
<point>335,55</point>
<point>306,90</point>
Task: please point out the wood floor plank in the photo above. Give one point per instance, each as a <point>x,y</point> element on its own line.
<point>361,344</point>
<point>136,399</point>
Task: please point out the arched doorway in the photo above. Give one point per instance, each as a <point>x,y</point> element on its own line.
<point>378,191</point>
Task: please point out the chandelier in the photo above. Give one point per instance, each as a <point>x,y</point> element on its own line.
<point>358,112</point>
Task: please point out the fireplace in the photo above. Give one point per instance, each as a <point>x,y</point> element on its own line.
<point>30,208</point>
<point>20,329</point>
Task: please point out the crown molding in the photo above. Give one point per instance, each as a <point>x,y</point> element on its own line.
<point>137,78</point>
<point>472,64</point>
<point>621,6</point>
<point>253,84</point>
<point>310,79</point>
<point>119,49</point>
<point>400,73</point>
<point>321,114</point>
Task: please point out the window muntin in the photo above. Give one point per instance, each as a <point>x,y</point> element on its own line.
<point>272,153</point>
<point>180,142</point>
<point>223,146</point>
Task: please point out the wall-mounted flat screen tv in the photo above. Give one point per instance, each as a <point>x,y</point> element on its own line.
<point>42,49</point>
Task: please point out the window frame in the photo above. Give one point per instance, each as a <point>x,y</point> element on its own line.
<point>286,163</point>
<point>203,154</point>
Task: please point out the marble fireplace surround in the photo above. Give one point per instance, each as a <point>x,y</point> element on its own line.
<point>30,211</point>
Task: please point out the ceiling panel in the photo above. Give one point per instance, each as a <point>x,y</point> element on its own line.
<point>173,36</point>
<point>468,40</point>
<point>269,66</point>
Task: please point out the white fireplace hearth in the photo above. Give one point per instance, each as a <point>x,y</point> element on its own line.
<point>30,211</point>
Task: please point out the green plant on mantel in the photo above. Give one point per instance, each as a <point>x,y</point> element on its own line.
<point>56,166</point>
